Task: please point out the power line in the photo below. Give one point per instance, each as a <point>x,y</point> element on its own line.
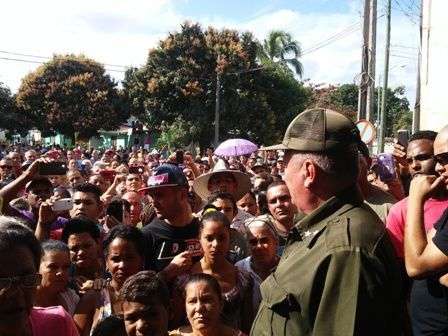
<point>335,37</point>
<point>327,42</point>
<point>49,58</point>
<point>40,62</point>
<point>403,47</point>
<point>403,56</point>
<point>409,15</point>
<point>346,31</point>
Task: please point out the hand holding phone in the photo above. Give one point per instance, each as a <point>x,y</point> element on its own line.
<point>63,204</point>
<point>386,167</point>
<point>52,168</point>
<point>403,138</point>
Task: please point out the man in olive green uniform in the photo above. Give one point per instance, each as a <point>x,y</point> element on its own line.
<point>338,274</point>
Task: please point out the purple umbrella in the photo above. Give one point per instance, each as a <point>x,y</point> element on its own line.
<point>235,147</point>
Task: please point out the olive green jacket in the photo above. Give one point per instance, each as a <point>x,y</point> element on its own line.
<point>337,276</point>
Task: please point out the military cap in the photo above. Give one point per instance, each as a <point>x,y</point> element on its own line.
<point>318,130</point>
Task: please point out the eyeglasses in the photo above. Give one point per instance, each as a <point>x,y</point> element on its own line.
<point>24,281</point>
<point>6,167</point>
<point>441,158</point>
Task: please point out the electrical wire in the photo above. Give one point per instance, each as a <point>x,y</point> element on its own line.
<point>409,15</point>
<point>49,58</point>
<point>39,62</point>
<point>335,37</point>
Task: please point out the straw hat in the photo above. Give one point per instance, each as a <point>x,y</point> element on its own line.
<point>200,185</point>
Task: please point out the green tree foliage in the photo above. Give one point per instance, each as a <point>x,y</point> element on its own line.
<point>6,106</point>
<point>344,99</point>
<point>280,49</point>
<point>10,119</point>
<point>71,94</point>
<point>180,76</point>
<point>176,134</point>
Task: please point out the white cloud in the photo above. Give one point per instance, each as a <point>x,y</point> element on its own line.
<point>121,32</point>
<point>110,31</point>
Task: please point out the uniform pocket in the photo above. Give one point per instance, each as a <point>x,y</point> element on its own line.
<point>279,312</point>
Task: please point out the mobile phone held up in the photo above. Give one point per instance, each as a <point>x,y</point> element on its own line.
<point>403,137</point>
<point>386,167</point>
<point>63,204</point>
<point>52,168</point>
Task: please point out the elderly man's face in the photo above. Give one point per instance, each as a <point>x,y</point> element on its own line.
<point>295,179</point>
<point>222,182</point>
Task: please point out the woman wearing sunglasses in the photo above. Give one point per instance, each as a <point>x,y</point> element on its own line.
<point>264,244</point>
<point>20,255</point>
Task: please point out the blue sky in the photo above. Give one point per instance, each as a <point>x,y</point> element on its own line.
<point>242,10</point>
<point>121,32</point>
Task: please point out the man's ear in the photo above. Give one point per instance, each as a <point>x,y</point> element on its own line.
<point>310,171</point>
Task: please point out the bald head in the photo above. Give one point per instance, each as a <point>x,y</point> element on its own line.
<point>441,154</point>
<point>441,142</point>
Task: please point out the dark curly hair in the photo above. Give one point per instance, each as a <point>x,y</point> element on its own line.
<point>80,225</point>
<point>128,233</point>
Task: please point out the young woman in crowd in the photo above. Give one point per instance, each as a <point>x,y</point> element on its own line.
<point>214,236</point>
<point>54,269</point>
<point>124,250</point>
<point>225,203</point>
<point>20,256</point>
<point>203,305</point>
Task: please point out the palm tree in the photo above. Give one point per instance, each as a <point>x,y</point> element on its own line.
<point>279,47</point>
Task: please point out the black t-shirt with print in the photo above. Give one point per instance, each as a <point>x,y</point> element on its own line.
<point>166,241</point>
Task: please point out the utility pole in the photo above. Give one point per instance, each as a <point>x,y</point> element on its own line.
<point>370,100</point>
<point>416,113</point>
<point>385,80</point>
<point>362,92</point>
<point>217,107</point>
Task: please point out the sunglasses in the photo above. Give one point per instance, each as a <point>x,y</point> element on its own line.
<point>441,158</point>
<point>24,281</point>
<point>6,167</point>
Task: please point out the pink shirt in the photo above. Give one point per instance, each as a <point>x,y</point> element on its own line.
<point>396,220</point>
<point>52,321</point>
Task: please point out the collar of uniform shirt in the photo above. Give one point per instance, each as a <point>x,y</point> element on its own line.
<point>330,207</point>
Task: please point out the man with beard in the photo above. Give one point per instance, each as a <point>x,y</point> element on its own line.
<point>420,161</point>
<point>172,236</point>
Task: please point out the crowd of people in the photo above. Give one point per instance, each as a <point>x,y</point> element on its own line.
<point>314,236</point>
